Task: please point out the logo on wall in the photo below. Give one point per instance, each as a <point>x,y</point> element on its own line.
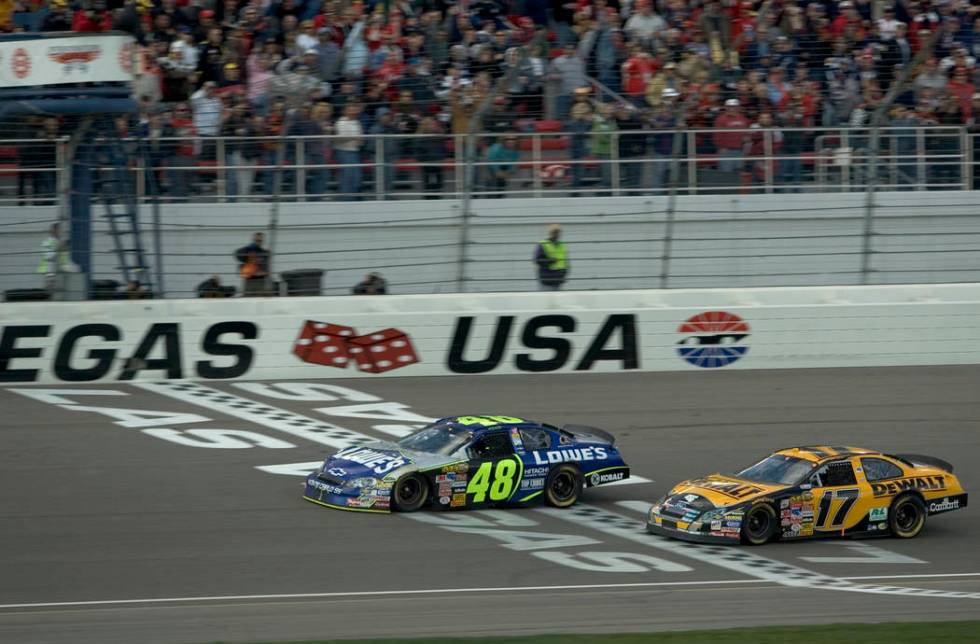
<point>74,58</point>
<point>335,345</point>
<point>20,63</point>
<point>713,339</point>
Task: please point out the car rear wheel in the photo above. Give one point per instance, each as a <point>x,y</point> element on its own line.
<point>410,493</point>
<point>759,524</point>
<point>563,487</point>
<point>907,516</point>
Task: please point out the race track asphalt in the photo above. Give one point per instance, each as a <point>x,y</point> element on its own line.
<point>110,531</point>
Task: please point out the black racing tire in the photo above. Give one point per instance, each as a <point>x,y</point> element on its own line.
<point>410,493</point>
<point>759,524</point>
<point>563,487</point>
<point>907,516</point>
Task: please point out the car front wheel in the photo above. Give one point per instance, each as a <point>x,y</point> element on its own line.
<point>759,524</point>
<point>410,493</point>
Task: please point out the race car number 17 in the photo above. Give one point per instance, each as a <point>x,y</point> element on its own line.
<point>501,486</point>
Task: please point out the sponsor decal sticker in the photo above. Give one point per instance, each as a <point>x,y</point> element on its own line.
<point>598,479</point>
<point>937,483</point>
<point>570,455</point>
<point>944,505</point>
<point>379,462</point>
<point>444,500</point>
<point>713,339</point>
<point>878,514</point>
<point>337,471</point>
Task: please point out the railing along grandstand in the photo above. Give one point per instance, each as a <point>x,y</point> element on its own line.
<point>548,163</point>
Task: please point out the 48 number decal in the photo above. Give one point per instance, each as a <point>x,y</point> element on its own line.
<point>499,487</point>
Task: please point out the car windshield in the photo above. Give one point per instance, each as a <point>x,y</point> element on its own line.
<point>778,470</point>
<point>437,439</point>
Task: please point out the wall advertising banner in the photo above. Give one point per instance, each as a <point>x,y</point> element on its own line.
<point>399,336</point>
<point>54,61</point>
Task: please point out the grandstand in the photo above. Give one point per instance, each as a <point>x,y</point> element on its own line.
<point>258,102</point>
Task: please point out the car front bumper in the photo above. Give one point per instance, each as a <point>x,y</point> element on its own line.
<point>665,527</point>
<point>341,498</point>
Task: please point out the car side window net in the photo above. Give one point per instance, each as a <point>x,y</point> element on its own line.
<point>839,474</point>
<point>493,446</point>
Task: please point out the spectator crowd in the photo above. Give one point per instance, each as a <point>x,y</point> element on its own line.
<point>350,68</point>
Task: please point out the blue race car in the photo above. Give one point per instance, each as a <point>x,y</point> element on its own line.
<point>466,462</point>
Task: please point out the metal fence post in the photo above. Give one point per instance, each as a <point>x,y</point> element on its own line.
<point>380,169</point>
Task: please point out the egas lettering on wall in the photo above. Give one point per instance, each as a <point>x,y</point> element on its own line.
<point>161,348</point>
<point>547,333</point>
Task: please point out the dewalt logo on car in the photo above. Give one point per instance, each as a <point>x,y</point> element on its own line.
<point>934,483</point>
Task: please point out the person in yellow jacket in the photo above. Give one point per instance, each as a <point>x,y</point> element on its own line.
<point>552,260</point>
<point>54,257</point>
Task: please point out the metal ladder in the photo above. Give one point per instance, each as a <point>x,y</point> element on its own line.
<point>113,186</point>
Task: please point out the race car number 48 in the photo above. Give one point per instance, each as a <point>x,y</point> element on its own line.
<point>504,478</point>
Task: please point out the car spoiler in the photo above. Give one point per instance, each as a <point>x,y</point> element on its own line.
<point>589,434</point>
<point>932,461</point>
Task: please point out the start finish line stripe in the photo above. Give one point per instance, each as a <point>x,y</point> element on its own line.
<point>275,418</point>
<point>733,558</point>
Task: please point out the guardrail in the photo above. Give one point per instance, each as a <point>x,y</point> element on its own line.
<point>540,164</point>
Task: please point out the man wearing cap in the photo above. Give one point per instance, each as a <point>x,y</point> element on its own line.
<point>730,145</point>
<point>551,259</point>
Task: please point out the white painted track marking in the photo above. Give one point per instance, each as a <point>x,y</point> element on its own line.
<point>436,591</point>
<point>632,480</point>
<point>380,593</point>
<point>731,558</point>
<point>263,414</point>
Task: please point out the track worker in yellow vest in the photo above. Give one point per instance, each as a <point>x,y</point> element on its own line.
<point>552,260</point>
<point>54,258</point>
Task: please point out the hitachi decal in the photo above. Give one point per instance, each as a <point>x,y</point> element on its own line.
<point>918,483</point>
<point>380,462</point>
<point>566,455</point>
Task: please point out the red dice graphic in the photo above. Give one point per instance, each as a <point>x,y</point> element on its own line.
<point>324,343</point>
<point>382,351</point>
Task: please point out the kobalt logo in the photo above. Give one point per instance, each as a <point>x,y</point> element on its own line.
<point>713,339</point>
<point>598,479</point>
<point>944,505</point>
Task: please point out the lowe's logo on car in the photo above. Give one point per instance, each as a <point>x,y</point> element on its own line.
<point>596,479</point>
<point>944,505</point>
<point>565,455</point>
<point>380,462</point>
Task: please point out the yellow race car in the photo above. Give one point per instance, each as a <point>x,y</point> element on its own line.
<point>811,492</point>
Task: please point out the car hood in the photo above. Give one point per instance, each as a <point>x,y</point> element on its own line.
<point>720,491</point>
<point>380,459</point>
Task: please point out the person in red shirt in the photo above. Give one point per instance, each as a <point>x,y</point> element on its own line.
<point>963,89</point>
<point>92,18</point>
<point>730,145</point>
<point>637,71</point>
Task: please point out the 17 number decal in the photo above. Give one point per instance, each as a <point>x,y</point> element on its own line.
<point>847,498</point>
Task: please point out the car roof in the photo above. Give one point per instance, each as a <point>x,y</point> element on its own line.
<point>822,453</point>
<point>474,423</point>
